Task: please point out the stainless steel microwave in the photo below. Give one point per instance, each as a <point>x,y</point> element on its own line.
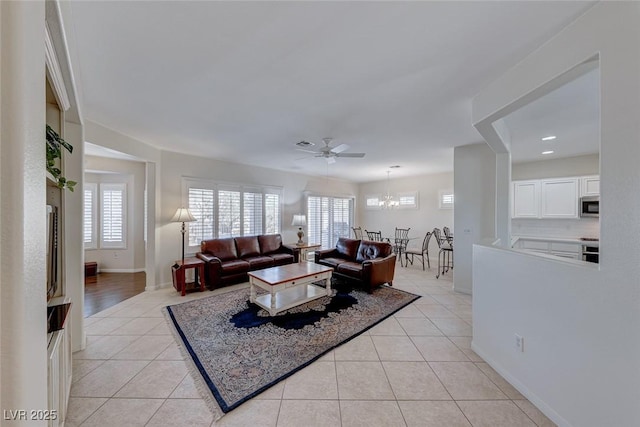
<point>590,206</point>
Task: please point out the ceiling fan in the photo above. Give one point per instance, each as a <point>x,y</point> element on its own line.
<point>328,152</point>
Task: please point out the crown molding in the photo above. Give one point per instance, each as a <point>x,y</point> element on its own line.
<point>54,72</point>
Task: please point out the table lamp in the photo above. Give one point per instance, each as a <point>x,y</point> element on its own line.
<point>299,220</point>
<point>182,215</point>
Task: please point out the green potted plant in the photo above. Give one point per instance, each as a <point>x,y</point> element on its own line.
<point>54,151</point>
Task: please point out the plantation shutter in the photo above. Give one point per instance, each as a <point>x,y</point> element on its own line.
<point>328,219</point>
<point>272,213</point>
<point>201,207</point>
<point>228,213</point>
<point>252,214</point>
<point>112,215</point>
<point>89,216</point>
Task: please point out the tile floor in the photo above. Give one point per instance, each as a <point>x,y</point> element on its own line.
<point>416,368</point>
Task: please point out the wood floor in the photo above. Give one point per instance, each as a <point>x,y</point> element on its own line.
<point>108,289</point>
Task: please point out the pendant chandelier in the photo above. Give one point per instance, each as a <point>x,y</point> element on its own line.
<point>387,201</point>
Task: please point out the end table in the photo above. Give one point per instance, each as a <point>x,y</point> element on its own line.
<point>178,273</point>
<point>304,250</point>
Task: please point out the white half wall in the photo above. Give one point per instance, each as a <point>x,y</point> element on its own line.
<point>581,364</point>
<point>475,194</point>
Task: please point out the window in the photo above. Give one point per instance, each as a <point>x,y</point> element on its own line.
<point>112,215</point>
<point>328,219</point>
<point>227,210</point>
<point>90,208</point>
<point>201,207</point>
<point>446,199</point>
<point>372,202</point>
<point>228,213</point>
<point>408,200</point>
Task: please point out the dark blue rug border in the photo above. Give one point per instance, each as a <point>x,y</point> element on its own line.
<point>214,390</point>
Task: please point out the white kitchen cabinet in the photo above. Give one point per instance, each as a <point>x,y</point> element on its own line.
<point>526,199</point>
<point>590,185</point>
<point>559,198</point>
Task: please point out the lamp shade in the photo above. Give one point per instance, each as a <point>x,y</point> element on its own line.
<point>299,220</point>
<point>183,215</point>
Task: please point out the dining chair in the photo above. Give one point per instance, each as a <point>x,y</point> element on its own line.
<point>376,236</point>
<point>357,231</point>
<point>447,235</point>
<point>400,242</point>
<point>424,252</point>
<point>445,252</point>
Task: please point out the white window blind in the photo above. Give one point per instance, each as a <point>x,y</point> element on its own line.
<point>372,202</point>
<point>252,214</point>
<point>201,207</point>
<point>230,210</point>
<point>408,200</point>
<point>228,213</point>
<point>328,218</point>
<point>446,199</point>
<point>90,223</point>
<point>112,215</point>
<point>271,213</point>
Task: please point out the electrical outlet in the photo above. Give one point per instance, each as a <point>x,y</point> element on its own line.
<point>520,343</point>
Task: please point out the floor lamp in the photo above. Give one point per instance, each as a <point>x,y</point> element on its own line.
<point>182,215</point>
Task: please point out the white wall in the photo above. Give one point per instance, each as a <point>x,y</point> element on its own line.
<point>579,322</point>
<point>23,319</point>
<point>132,258</point>
<point>425,218</point>
<point>557,168</point>
<point>175,166</point>
<point>475,192</point>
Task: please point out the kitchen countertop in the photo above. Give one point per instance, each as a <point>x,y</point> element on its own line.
<point>577,241</point>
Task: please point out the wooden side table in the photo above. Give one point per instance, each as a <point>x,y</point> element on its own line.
<point>304,250</point>
<point>178,273</point>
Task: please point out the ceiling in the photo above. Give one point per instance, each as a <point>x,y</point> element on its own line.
<point>245,81</point>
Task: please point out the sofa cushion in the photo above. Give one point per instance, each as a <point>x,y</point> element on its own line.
<point>225,249</point>
<point>351,269</point>
<point>236,266</point>
<point>281,258</point>
<point>269,243</point>
<point>247,246</point>
<point>348,248</point>
<point>259,262</point>
<point>371,250</point>
<point>331,262</point>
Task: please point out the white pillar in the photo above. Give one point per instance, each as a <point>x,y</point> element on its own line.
<point>23,334</point>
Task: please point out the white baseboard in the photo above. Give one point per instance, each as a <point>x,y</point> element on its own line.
<point>121,270</point>
<point>158,286</point>
<point>533,398</point>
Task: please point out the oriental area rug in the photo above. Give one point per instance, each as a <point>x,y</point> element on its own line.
<point>235,350</point>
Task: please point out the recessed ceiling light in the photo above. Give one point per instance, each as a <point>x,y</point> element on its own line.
<point>304,144</point>
<point>549,138</point>
<point>548,152</point>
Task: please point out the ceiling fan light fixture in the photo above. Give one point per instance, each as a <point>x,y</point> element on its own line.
<point>304,144</point>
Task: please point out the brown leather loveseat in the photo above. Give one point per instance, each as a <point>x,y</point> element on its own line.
<point>371,263</point>
<point>229,260</point>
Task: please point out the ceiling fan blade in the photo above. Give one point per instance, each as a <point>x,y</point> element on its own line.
<point>306,151</point>
<point>358,155</point>
<point>331,160</point>
<point>340,148</point>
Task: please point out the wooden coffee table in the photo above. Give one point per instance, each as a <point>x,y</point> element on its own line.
<point>289,285</point>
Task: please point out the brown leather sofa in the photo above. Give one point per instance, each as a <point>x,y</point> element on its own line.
<point>229,260</point>
<point>370,263</point>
